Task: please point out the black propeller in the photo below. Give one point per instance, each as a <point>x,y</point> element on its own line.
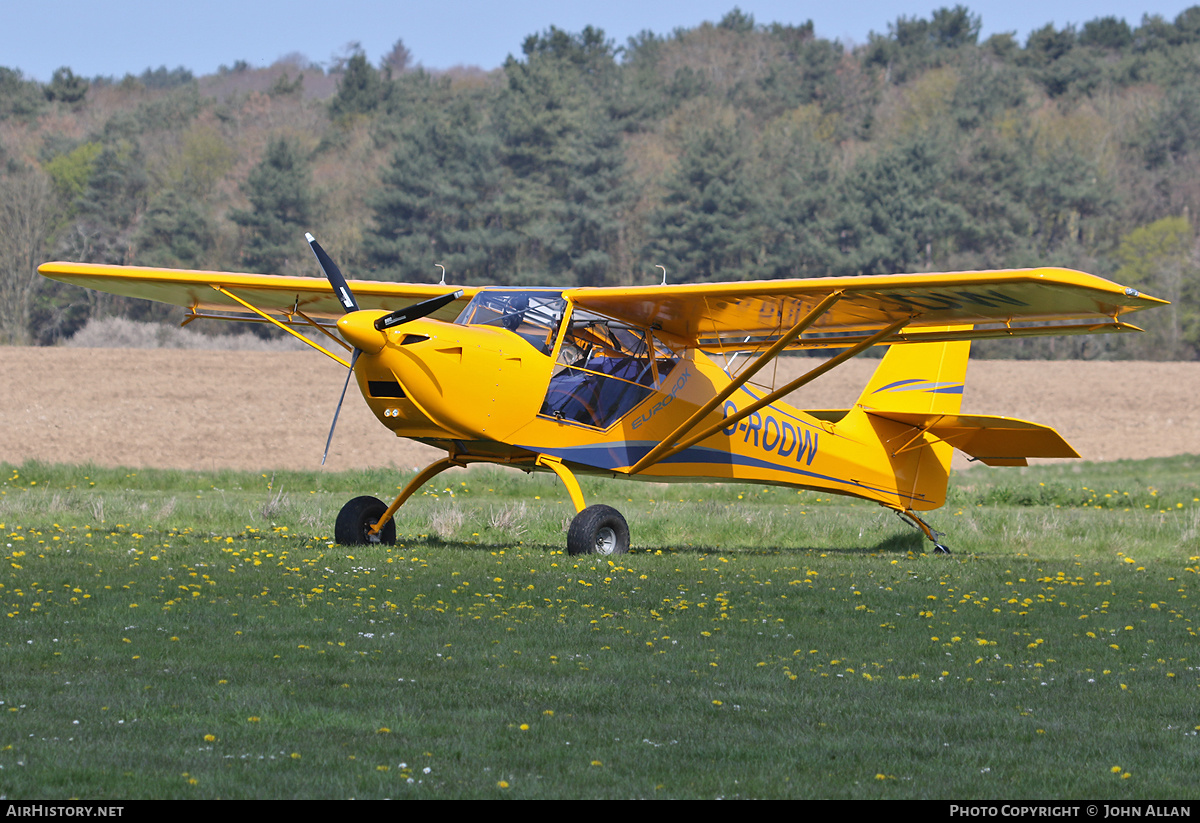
<point>416,311</point>
<point>342,289</point>
<point>333,274</point>
<point>338,410</point>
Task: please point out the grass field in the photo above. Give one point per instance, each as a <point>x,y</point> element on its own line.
<point>185,635</point>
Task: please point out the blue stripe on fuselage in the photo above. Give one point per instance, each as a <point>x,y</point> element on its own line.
<point>614,456</point>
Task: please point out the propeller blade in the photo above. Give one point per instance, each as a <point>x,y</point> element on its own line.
<point>353,360</point>
<point>333,274</point>
<point>416,311</point>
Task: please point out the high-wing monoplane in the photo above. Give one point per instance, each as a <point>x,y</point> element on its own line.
<point>658,382</point>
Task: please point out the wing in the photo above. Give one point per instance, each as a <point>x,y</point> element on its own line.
<point>996,303</point>
<point>200,291</point>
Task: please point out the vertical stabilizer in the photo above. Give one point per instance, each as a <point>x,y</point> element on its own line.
<point>920,377</point>
<point>917,378</point>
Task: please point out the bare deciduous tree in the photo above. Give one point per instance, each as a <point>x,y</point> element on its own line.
<point>27,212</point>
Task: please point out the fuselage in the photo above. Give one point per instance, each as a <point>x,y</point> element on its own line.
<point>599,395</point>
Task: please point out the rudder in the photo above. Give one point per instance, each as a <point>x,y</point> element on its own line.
<point>916,378</point>
<point>920,377</point>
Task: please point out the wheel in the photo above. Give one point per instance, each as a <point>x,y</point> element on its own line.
<point>355,520</point>
<point>598,530</point>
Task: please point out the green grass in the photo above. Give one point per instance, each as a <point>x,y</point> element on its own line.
<point>187,635</point>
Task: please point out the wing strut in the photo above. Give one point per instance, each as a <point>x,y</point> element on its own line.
<point>271,319</point>
<point>322,329</point>
<point>675,444</point>
<point>766,357</point>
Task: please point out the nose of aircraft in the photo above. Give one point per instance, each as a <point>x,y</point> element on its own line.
<point>366,330</point>
<point>358,329</point>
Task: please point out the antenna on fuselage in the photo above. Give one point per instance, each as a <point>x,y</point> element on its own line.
<point>664,271</point>
<point>441,282</point>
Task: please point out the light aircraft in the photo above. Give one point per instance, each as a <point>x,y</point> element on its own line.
<point>655,382</point>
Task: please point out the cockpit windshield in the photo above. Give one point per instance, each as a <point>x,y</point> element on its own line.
<point>532,313</point>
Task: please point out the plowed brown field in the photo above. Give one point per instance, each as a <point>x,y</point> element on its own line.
<point>257,410</point>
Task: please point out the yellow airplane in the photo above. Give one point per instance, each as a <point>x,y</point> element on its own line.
<point>655,382</point>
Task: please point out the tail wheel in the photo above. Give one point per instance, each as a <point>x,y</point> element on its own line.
<point>598,530</point>
<point>355,520</point>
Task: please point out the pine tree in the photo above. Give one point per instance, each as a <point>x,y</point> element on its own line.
<point>66,87</point>
<point>360,90</point>
<point>173,233</point>
<point>567,192</point>
<point>111,200</point>
<point>438,203</point>
<point>281,210</point>
<point>19,97</point>
<point>895,214</point>
<point>709,226</point>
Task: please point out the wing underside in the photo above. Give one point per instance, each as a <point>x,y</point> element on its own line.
<point>1021,302</point>
<point>213,294</point>
<point>833,311</point>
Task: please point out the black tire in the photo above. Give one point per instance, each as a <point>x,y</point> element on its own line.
<point>598,530</point>
<point>355,520</point>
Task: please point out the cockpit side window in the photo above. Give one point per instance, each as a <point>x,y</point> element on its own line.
<point>604,369</point>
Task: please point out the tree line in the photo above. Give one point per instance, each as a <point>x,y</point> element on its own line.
<point>732,150</point>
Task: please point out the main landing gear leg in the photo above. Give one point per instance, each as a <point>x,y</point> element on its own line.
<point>365,520</point>
<point>596,529</point>
<point>910,517</point>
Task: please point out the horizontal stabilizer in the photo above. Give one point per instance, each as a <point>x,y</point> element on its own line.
<point>994,441</point>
